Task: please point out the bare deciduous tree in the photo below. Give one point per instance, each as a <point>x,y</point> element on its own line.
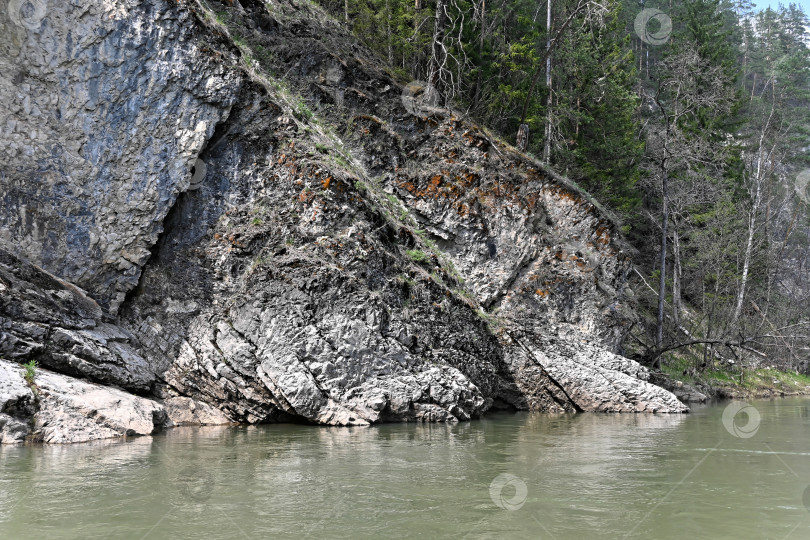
<point>688,86</point>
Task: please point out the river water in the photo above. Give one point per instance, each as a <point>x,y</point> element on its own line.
<point>507,476</point>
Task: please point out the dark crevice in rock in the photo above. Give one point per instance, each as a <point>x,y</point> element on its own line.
<point>518,272</point>
<point>499,406</point>
<point>182,210</point>
<point>557,387</point>
<point>568,399</point>
<point>153,253</point>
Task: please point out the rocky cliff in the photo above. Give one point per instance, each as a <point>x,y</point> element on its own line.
<point>228,209</point>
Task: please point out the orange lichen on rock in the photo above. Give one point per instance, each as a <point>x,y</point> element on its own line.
<point>603,235</point>
<point>470,179</point>
<point>567,195</point>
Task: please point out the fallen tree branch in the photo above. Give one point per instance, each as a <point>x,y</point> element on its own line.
<point>731,345</point>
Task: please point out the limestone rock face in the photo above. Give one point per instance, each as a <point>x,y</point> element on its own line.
<point>183,411</point>
<point>341,257</point>
<point>74,411</point>
<point>54,323</point>
<point>17,404</point>
<point>69,410</point>
<point>598,380</point>
<point>106,106</point>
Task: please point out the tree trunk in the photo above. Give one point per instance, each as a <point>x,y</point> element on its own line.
<point>418,60</point>
<point>523,137</point>
<point>752,220</point>
<point>581,5</point>
<point>437,57</point>
<point>662,284</point>
<point>477,93</point>
<point>547,143</point>
<point>388,32</point>
<point>676,277</point>
<point>708,360</point>
<point>759,179</point>
<point>753,87</point>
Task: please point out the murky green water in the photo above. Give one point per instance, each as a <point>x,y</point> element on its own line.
<point>574,476</point>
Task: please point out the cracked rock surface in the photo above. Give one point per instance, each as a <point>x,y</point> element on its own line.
<point>341,259</point>
<point>50,321</point>
<point>65,410</point>
<point>106,106</point>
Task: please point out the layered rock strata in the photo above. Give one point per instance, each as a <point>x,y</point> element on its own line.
<point>183,224</point>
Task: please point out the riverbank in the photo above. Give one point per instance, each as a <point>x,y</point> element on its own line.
<point>680,377</point>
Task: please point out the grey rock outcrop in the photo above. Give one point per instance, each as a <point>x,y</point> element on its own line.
<point>412,269</point>
<point>106,106</point>
<point>183,411</point>
<point>17,404</point>
<point>59,409</point>
<point>686,393</point>
<point>49,321</point>
<point>597,380</point>
<point>66,410</point>
<point>72,410</point>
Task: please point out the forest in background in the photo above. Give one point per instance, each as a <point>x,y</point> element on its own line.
<point>689,119</point>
